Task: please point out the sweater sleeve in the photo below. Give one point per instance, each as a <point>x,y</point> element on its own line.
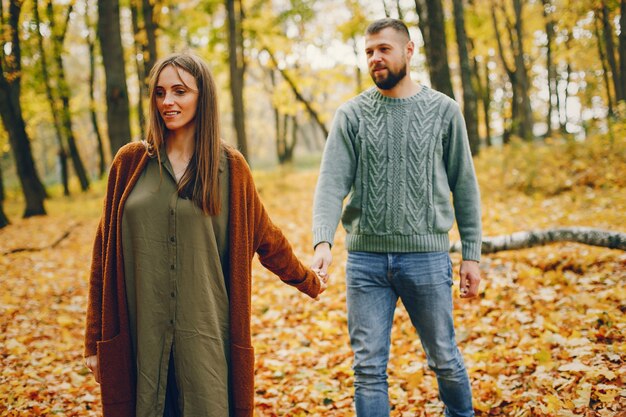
<point>464,186</point>
<point>275,252</point>
<point>336,177</point>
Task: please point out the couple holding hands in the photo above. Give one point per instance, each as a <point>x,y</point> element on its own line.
<point>168,321</point>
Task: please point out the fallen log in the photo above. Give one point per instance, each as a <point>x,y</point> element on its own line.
<point>529,239</point>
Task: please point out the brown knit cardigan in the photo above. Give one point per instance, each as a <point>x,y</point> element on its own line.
<point>250,231</point>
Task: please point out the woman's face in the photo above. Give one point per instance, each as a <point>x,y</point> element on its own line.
<point>176,95</point>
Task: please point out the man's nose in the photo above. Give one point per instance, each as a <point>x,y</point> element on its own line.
<point>376,57</point>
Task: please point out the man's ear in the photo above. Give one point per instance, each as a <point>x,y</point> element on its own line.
<point>410,48</point>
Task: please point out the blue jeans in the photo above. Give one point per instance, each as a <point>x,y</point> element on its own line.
<point>422,281</point>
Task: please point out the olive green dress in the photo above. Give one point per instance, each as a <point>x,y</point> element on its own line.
<point>174,263</point>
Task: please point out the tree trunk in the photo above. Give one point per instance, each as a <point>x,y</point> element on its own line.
<point>141,76</point>
<point>563,117</point>
<point>299,96</point>
<point>486,104</point>
<point>11,114</point>
<point>150,26</point>
<point>92,97</point>
<point>622,46</point>
<point>431,24</point>
<point>605,69</point>
<point>286,149</point>
<point>510,72</point>
<point>357,69</point>
<point>523,240</point>
<point>526,119</point>
<point>4,220</point>
<point>607,29</point>
<point>470,107</point>
<point>64,94</point>
<point>52,102</point>
<point>118,121</point>
<point>237,70</point>
<point>550,34</point>
<point>386,9</point>
<point>400,11</point>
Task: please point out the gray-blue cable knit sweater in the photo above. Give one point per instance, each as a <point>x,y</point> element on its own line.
<point>399,160</point>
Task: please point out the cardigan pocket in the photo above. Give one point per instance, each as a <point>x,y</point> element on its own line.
<point>242,372</point>
<point>116,384</point>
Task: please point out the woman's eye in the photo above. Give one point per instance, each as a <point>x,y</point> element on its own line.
<point>180,92</point>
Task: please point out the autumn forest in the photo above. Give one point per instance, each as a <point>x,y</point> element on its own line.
<point>542,87</point>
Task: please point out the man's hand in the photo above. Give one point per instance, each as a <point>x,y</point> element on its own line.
<point>92,363</point>
<point>470,279</point>
<point>322,282</point>
<point>322,258</point>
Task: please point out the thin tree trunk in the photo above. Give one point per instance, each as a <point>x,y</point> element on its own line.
<point>287,147</point>
<point>526,120</point>
<point>141,77</point>
<point>607,29</point>
<point>431,23</point>
<point>510,72</point>
<point>605,69</point>
<point>150,26</point>
<point>563,112</point>
<point>386,9</point>
<point>237,70</point>
<point>486,100</point>
<point>4,220</point>
<point>64,94</point>
<point>357,70</point>
<point>118,121</point>
<point>470,107</point>
<point>400,11</point>
<point>622,47</point>
<point>92,97</point>
<point>550,34</point>
<point>11,114</point>
<point>299,95</point>
<point>295,127</point>
<point>52,102</point>
<point>523,240</point>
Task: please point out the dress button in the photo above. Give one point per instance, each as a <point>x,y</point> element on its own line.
<point>171,321</point>
<point>172,212</point>
<point>173,294</point>
<point>172,267</point>
<point>172,239</point>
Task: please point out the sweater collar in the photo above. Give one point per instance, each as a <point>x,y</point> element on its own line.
<point>376,95</point>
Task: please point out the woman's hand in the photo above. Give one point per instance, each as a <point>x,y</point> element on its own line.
<point>91,362</point>
<point>323,280</point>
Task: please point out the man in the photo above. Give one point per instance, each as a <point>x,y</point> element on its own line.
<point>399,149</point>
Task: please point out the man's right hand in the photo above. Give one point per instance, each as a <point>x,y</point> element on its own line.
<point>322,258</point>
<point>92,363</point>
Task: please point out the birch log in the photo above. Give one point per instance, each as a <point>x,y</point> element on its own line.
<point>529,239</point>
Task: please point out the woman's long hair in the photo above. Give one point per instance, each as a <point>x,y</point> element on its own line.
<point>200,180</point>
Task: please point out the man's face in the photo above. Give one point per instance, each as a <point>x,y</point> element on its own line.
<point>386,53</point>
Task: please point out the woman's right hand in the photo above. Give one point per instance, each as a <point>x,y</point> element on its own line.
<point>92,363</point>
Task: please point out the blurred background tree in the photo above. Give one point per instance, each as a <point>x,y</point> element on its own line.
<point>74,74</point>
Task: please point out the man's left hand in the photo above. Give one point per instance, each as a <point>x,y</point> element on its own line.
<point>470,279</point>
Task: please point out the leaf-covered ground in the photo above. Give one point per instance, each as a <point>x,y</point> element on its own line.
<point>546,337</point>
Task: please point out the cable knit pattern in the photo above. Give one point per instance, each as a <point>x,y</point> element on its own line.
<point>398,160</point>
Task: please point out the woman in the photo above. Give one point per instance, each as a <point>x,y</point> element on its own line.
<point>168,321</point>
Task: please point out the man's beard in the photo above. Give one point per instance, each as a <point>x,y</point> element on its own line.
<point>391,80</point>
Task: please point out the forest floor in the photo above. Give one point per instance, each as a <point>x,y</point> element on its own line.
<point>546,336</point>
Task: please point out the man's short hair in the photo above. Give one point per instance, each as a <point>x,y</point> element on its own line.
<point>380,24</point>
